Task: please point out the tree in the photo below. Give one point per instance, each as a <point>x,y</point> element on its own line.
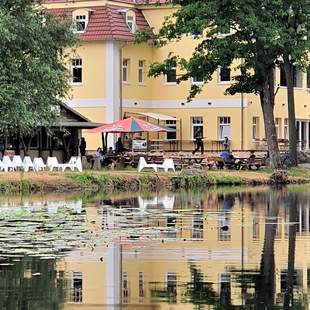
<point>252,37</point>
<point>294,23</point>
<point>33,72</point>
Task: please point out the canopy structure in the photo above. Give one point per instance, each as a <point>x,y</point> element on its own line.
<point>129,125</point>
<point>157,116</point>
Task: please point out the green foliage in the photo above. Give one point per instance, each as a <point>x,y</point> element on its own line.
<point>33,73</point>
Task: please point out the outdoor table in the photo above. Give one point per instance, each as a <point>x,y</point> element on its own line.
<point>217,143</point>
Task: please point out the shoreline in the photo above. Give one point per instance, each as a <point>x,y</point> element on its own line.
<point>130,180</point>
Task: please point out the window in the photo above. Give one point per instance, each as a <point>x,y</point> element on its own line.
<point>141,284</point>
<point>224,74</point>
<point>197,126</point>
<point>278,127</point>
<point>172,283</point>
<point>224,128</point>
<point>171,75</point>
<point>77,71</point>
<point>286,132</point>
<point>173,134</point>
<point>130,21</point>
<point>197,226</point>
<point>125,70</point>
<point>77,287</point>
<point>80,23</point>
<point>225,289</point>
<point>255,128</point>
<point>141,71</point>
<point>297,78</point>
<point>198,79</point>
<point>125,285</point>
<point>255,227</point>
<point>308,77</point>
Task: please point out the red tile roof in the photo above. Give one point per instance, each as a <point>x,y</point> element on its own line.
<point>105,23</point>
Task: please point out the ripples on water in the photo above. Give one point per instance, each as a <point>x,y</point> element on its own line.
<point>225,249</point>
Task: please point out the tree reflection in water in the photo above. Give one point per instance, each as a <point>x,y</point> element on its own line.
<point>31,284</point>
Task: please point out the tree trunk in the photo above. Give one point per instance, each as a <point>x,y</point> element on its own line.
<point>289,74</point>
<point>265,285</point>
<point>288,296</point>
<point>267,103</point>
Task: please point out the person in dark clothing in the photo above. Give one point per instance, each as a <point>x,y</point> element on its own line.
<point>83,147</point>
<point>119,147</point>
<point>198,142</point>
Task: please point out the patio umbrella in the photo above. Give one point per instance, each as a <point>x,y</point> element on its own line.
<point>129,125</point>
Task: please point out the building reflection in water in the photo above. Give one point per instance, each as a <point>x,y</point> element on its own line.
<point>243,250</point>
<point>230,250</point>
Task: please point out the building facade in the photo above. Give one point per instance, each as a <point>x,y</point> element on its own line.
<point>110,80</point>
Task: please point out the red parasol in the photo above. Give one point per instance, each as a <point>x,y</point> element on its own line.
<point>128,125</point>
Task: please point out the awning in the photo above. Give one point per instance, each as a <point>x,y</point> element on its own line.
<point>157,116</point>
<point>80,125</point>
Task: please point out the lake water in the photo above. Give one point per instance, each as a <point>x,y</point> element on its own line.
<point>229,248</point>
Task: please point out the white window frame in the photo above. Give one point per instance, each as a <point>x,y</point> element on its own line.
<point>286,129</point>
<point>255,128</point>
<point>278,123</point>
<point>141,72</point>
<point>141,284</point>
<point>198,123</point>
<point>125,68</point>
<point>81,18</point>
<point>219,76</point>
<point>76,63</point>
<point>224,121</point>
<point>197,82</point>
<point>172,124</point>
<point>125,285</point>
<point>130,21</point>
<point>174,282</point>
<point>166,77</point>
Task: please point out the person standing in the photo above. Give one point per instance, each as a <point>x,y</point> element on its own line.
<point>226,144</point>
<point>83,147</point>
<point>199,142</point>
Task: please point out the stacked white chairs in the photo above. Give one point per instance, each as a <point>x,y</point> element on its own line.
<point>74,163</point>
<point>28,164</point>
<point>7,161</point>
<point>52,163</point>
<point>38,164</point>
<point>166,165</point>
<point>143,165</point>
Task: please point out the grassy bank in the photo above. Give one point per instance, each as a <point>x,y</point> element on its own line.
<point>130,180</point>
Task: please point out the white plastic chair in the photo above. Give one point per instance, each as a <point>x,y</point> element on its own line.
<point>38,164</point>
<point>3,167</point>
<point>74,163</point>
<point>17,162</point>
<point>27,163</point>
<point>167,164</point>
<point>7,161</point>
<point>52,163</point>
<point>143,164</point>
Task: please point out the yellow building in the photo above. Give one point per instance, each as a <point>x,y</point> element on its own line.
<point>110,81</point>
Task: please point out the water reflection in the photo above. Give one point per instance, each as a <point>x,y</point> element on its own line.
<point>214,250</point>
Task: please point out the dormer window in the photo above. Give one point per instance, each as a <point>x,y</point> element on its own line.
<point>131,21</point>
<point>80,19</point>
<point>80,22</point>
